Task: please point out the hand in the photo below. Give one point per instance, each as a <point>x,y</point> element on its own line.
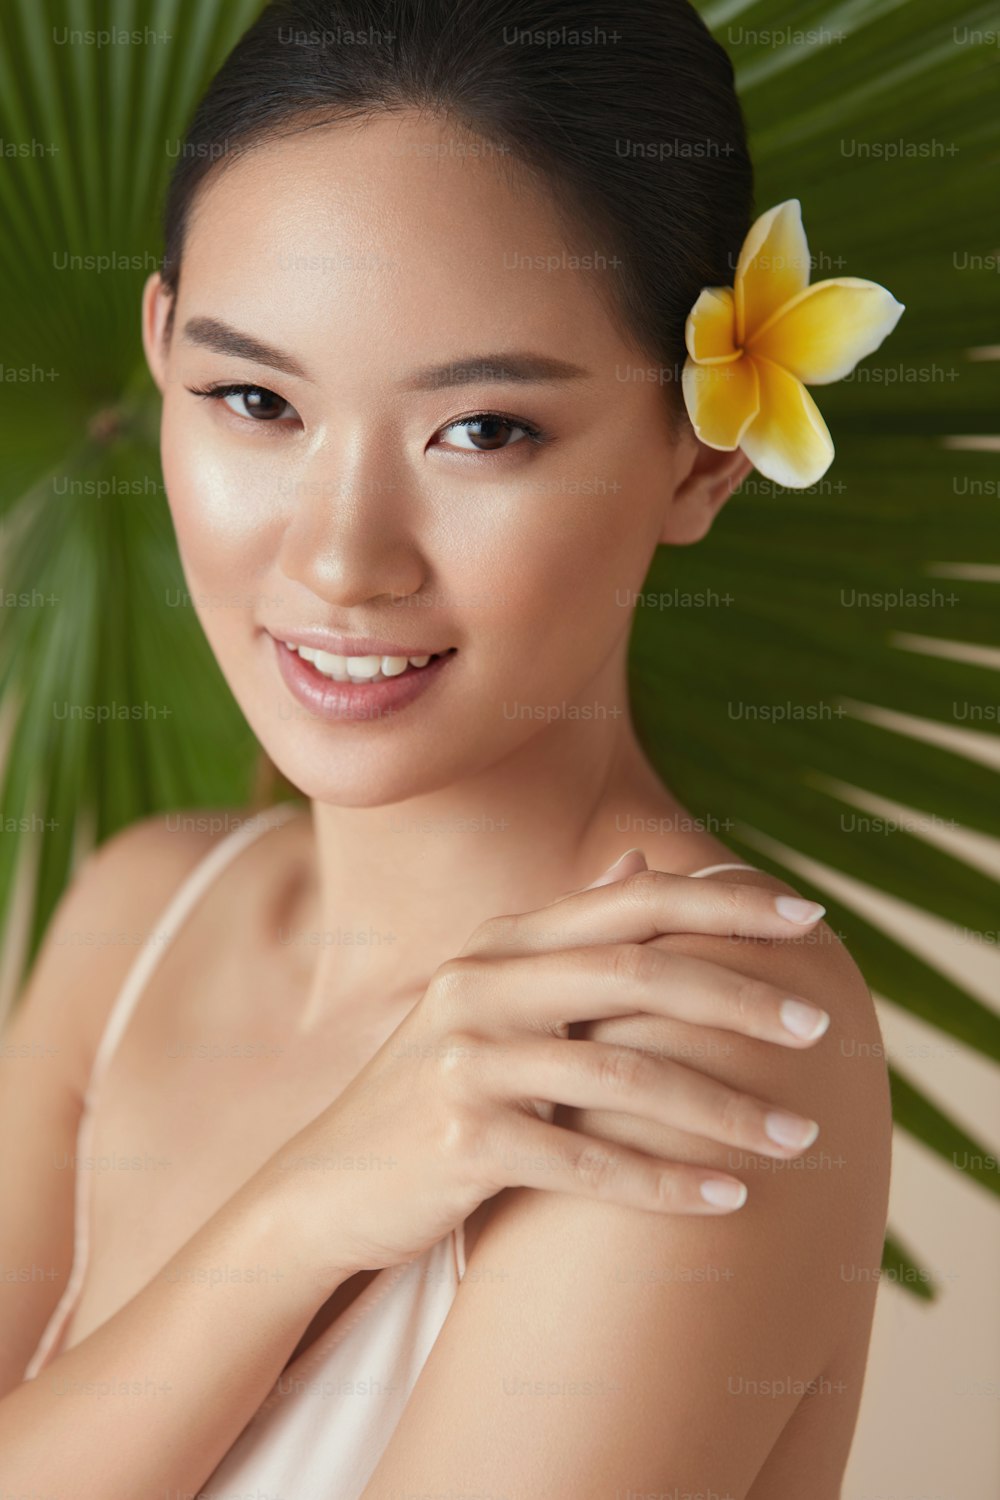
<point>457,1104</point>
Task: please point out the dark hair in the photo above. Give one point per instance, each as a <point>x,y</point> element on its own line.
<point>627,111</point>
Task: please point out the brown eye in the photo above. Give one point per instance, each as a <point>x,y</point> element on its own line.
<point>257,402</point>
<point>488,432</point>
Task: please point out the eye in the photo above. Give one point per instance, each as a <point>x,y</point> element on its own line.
<point>252,402</point>
<point>490,432</point>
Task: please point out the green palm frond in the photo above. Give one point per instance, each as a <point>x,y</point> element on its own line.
<point>814,655</point>
<point>792,674</point>
<point>898,1264</point>
<point>96,621</point>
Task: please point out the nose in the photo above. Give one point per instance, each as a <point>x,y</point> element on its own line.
<point>349,537</point>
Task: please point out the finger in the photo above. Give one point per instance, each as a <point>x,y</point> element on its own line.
<point>566,1161</point>
<point>551,990</point>
<point>644,905</point>
<point>598,1075</point>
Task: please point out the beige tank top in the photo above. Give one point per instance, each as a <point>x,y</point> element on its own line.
<point>321,1431</point>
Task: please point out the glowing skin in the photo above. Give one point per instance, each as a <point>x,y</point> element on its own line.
<point>368,255</point>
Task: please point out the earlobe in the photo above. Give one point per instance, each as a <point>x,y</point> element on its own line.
<point>697,500</point>
<point>155,310</point>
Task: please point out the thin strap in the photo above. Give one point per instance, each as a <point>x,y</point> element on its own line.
<point>458,1247</point>
<point>711,869</point>
<point>185,898</point>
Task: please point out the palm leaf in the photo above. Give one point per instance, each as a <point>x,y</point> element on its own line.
<point>816,626</point>
<point>793,671</point>
<point>86,536</point>
<point>899,1265</point>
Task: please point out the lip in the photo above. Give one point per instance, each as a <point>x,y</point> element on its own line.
<point>351,702</point>
<point>352,645</point>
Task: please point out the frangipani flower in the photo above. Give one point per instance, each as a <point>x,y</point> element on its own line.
<point>755,346</point>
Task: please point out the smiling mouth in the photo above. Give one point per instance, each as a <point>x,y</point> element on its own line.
<point>363,669</point>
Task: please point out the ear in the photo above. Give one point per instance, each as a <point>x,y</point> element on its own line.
<point>156,302</point>
<point>711,477</point>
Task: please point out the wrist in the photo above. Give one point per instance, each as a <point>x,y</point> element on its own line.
<point>295,1228</point>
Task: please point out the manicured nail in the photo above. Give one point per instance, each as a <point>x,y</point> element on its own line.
<point>803,1020</point>
<point>790,1130</point>
<point>794,909</point>
<point>724,1193</point>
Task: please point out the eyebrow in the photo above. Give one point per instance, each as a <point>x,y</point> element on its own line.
<point>479,369</point>
<point>494,368</point>
<point>219,336</point>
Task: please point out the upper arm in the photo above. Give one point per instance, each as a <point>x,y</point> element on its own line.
<point>46,1050</point>
<point>594,1349</point>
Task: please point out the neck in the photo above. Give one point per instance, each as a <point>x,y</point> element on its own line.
<point>400,888</point>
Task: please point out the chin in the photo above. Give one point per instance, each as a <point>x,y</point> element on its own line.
<point>359,764</point>
<point>327,770</point>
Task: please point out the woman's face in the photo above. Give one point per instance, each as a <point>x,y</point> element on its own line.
<point>344,497</point>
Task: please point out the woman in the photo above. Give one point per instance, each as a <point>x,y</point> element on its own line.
<point>406,1156</point>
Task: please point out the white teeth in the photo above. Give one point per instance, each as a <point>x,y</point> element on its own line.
<point>357,668</point>
<point>329,665</point>
<point>364,667</point>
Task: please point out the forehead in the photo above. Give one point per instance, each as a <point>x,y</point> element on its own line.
<point>403,230</point>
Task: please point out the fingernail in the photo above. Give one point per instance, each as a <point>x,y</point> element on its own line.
<point>803,1020</point>
<point>790,1130</point>
<point>723,1193</point>
<point>794,909</point>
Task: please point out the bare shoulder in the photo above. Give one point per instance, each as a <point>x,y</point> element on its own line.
<point>623,1341</point>
<point>158,849</point>
<point>47,1052</point>
<point>107,910</point>
<point>820,1216</point>
<point>841,1082</point>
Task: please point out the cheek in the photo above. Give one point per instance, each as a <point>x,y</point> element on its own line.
<point>570,577</point>
<point>227,527</point>
<point>226,510</point>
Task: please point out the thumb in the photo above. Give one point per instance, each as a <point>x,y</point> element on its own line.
<point>629,863</point>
